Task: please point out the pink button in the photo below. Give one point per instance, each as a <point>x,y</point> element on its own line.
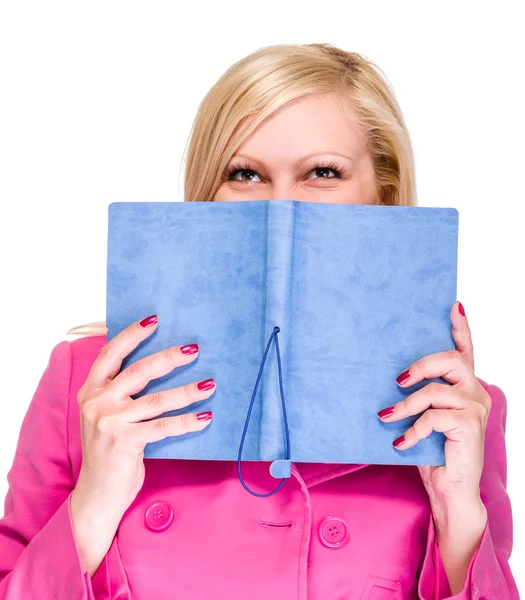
<point>159,516</point>
<point>333,532</point>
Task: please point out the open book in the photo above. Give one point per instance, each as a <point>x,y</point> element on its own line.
<point>343,297</point>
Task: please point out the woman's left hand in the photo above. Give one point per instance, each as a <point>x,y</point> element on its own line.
<point>460,411</point>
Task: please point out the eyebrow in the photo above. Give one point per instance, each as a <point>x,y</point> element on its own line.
<point>297,162</point>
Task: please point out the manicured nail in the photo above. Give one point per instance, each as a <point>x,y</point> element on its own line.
<point>405,375</point>
<point>204,416</point>
<point>399,441</point>
<point>386,412</point>
<point>461,309</point>
<point>149,321</point>
<point>189,349</point>
<point>206,384</point>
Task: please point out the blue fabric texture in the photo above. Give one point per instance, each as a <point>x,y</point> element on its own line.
<point>357,292</point>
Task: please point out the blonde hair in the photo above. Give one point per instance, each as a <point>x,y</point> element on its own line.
<point>272,77</point>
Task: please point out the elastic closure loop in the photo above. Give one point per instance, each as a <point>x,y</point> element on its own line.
<point>272,336</point>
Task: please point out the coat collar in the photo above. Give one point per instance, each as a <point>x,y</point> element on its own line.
<point>315,473</point>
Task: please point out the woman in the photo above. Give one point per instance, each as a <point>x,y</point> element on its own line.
<point>87,518</point>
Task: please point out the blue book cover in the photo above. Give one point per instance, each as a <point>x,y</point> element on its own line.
<point>356,292</point>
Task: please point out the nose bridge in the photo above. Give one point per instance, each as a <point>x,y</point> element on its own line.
<point>283,188</point>
<point>283,180</point>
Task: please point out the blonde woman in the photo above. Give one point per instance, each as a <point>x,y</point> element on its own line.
<point>87,518</point>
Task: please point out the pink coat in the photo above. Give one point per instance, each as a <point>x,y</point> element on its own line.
<point>333,532</point>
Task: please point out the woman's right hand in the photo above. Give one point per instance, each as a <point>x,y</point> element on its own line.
<point>114,435</point>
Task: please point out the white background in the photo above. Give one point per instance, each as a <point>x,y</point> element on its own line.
<point>96,104</point>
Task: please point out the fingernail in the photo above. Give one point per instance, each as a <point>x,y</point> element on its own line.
<point>461,309</point>
<point>206,384</point>
<point>386,412</point>
<point>189,349</point>
<point>399,441</point>
<point>405,375</point>
<point>149,321</point>
<point>204,416</point>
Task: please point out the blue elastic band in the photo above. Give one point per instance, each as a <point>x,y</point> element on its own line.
<point>274,334</point>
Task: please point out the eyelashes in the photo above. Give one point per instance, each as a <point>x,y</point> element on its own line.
<point>236,168</point>
<point>339,170</point>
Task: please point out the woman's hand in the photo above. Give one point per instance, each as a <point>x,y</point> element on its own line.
<point>114,434</point>
<point>460,411</point>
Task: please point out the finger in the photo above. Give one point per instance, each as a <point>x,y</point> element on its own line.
<point>449,365</point>
<point>450,422</point>
<point>109,361</point>
<point>152,405</point>
<point>137,375</point>
<point>432,395</point>
<point>461,333</point>
<point>163,427</point>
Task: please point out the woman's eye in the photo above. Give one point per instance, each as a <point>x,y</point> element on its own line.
<point>324,170</point>
<point>233,176</point>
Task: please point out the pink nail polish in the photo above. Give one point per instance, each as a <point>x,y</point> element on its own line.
<point>204,416</point>
<point>461,309</point>
<point>189,349</point>
<point>399,441</point>
<point>206,384</point>
<point>149,321</point>
<point>405,376</point>
<point>386,412</point>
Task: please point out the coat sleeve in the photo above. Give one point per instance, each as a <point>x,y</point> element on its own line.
<point>38,555</point>
<point>489,575</point>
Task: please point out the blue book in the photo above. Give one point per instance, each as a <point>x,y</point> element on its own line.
<point>304,312</point>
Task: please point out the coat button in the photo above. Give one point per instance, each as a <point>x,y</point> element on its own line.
<point>333,532</point>
<point>159,515</point>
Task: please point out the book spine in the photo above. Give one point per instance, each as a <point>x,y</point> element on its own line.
<point>280,236</point>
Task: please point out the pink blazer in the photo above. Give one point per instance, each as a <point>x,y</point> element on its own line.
<point>333,532</point>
